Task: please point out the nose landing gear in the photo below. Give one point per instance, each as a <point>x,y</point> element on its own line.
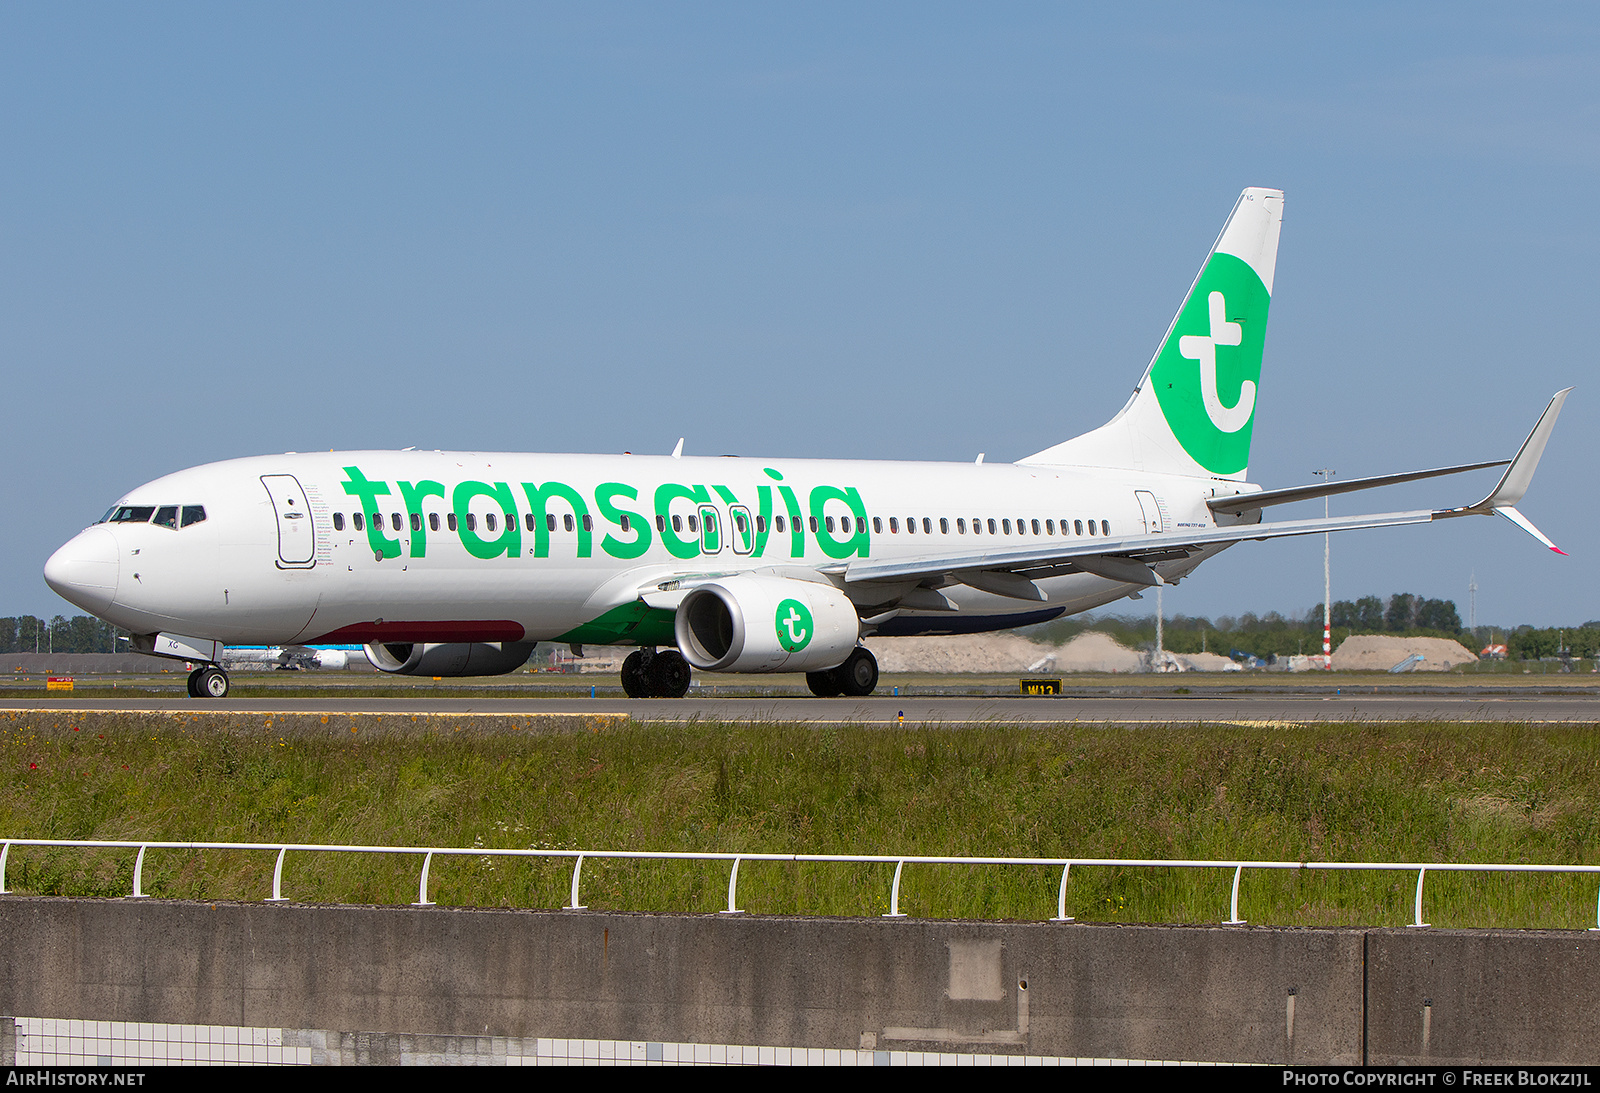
<point>649,674</point>
<point>208,682</point>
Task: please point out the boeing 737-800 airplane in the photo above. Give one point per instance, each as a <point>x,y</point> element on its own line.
<point>455,563</point>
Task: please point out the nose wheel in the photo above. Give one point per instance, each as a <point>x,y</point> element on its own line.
<point>649,674</point>
<point>208,682</point>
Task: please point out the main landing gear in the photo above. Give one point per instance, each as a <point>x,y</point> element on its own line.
<point>649,674</point>
<point>208,682</point>
<point>856,677</point>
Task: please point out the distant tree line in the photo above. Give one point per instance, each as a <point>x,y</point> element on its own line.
<point>79,634</point>
<point>1402,612</point>
<point>1273,635</point>
<point>1527,643</point>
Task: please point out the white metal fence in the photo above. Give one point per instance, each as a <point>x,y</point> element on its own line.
<point>900,862</point>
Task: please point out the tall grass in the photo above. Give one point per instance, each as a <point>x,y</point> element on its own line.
<point>1416,792</point>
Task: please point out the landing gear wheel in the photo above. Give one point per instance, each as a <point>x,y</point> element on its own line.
<point>635,676</point>
<point>826,684</point>
<point>194,683</point>
<point>858,675</point>
<point>669,675</point>
<point>211,683</point>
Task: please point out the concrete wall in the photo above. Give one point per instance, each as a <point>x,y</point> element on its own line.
<point>1233,994</point>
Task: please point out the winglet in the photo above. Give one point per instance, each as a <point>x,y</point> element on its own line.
<point>1514,483</point>
<point>1510,513</point>
<point>1519,475</point>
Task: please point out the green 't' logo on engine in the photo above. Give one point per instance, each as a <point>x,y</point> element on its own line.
<point>794,626</point>
<point>1206,374</point>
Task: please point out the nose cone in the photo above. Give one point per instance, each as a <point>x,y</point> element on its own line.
<point>84,572</point>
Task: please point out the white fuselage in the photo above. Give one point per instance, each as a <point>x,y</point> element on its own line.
<point>485,547</point>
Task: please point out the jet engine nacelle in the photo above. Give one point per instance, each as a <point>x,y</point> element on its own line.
<point>766,624</point>
<point>454,659</point>
<point>336,659</point>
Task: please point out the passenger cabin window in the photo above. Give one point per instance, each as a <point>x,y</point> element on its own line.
<point>357,521</point>
<point>944,526</point>
<point>677,523</point>
<point>778,523</point>
<point>377,520</point>
<point>877,524</point>
<point>489,521</point>
<point>761,525</point>
<point>694,523</point>
<point>416,521</point>
<point>472,521</point>
<point>1006,526</point>
<point>394,520</point>
<point>1105,527</point>
<point>927,525</point>
<point>1077,527</point>
<point>911,525</point>
<point>624,521</point>
<point>1049,527</point>
<point>167,516</point>
<point>133,514</point>
<point>826,519</point>
<point>991,527</point>
<point>961,525</point>
<point>813,522</point>
<point>450,521</point>
<point>338,520</point>
<point>433,521</point>
<point>661,523</point>
<point>1036,527</point>
<point>549,521</point>
<point>1091,527</point>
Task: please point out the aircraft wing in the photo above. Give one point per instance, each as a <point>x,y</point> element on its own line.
<point>1011,571</point>
<point>1124,559</point>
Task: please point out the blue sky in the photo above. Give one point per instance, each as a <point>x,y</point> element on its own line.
<point>887,231</point>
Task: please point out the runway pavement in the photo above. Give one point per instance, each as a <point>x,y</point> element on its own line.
<point>1237,708</point>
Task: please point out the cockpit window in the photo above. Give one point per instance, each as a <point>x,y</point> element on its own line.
<point>133,514</point>
<point>167,516</point>
<point>193,514</point>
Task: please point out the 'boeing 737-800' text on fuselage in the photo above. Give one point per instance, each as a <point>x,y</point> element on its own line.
<point>449,563</point>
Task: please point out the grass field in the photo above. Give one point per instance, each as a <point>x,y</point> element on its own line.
<point>1435,793</point>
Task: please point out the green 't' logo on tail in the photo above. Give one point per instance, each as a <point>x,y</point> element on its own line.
<point>1205,376</point>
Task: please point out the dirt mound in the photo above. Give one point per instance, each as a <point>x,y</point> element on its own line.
<point>1379,652</point>
<point>1207,662</point>
<point>974,653</point>
<point>1002,654</point>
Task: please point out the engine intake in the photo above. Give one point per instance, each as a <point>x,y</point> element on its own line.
<point>766,624</point>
